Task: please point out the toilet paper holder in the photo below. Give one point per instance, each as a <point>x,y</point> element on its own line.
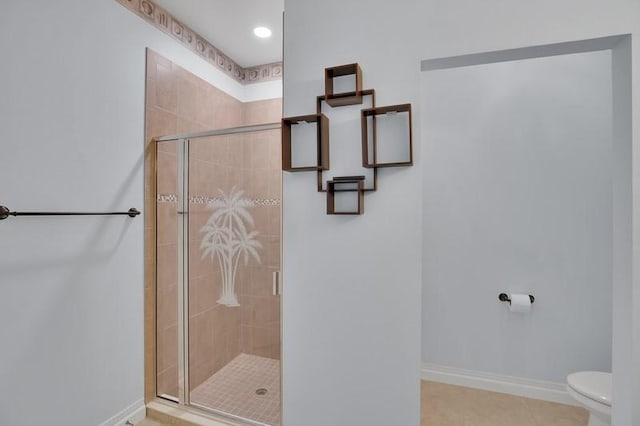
<point>504,297</point>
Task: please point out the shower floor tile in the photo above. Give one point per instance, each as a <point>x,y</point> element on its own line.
<point>232,390</point>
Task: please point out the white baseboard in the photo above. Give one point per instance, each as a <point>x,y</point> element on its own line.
<point>536,389</point>
<point>133,413</point>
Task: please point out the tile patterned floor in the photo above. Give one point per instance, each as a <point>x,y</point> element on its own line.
<point>441,404</point>
<point>448,405</point>
<point>233,388</point>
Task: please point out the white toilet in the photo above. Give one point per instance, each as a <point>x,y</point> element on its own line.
<point>592,389</point>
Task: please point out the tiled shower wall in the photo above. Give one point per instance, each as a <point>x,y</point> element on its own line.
<point>179,102</point>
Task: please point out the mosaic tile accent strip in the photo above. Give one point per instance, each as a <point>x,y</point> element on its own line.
<point>232,390</point>
<point>165,22</point>
<point>167,198</point>
<point>201,199</point>
<point>266,201</point>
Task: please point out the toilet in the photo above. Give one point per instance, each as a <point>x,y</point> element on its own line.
<point>592,389</point>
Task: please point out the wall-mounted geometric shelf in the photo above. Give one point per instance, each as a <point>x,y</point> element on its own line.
<point>349,75</point>
<point>386,139</point>
<point>396,120</point>
<point>345,195</point>
<point>321,160</point>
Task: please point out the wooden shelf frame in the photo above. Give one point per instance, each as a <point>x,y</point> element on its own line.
<point>320,180</point>
<point>372,113</point>
<point>322,142</point>
<point>352,97</point>
<point>338,185</point>
<point>341,184</point>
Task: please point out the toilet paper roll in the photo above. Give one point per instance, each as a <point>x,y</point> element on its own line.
<point>520,303</point>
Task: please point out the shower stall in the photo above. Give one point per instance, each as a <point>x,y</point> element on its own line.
<point>218,227</point>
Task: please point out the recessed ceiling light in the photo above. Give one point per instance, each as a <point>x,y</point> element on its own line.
<point>262,32</point>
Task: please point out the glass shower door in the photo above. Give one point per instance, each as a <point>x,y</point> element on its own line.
<point>217,254</point>
<point>234,253</point>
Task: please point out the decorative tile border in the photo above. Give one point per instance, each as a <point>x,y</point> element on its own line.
<point>165,22</point>
<point>266,201</point>
<point>167,198</point>
<point>202,199</point>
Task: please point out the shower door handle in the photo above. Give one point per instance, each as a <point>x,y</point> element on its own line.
<point>276,283</point>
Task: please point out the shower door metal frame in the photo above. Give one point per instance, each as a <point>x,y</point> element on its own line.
<point>182,201</point>
<point>183,272</point>
<point>220,132</point>
<point>183,254</point>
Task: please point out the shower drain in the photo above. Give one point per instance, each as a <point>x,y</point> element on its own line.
<point>261,391</point>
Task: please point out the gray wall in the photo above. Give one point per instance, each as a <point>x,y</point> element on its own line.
<point>72,79</point>
<point>390,39</point>
<point>517,196</point>
<point>351,285</point>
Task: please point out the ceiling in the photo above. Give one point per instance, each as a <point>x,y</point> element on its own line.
<point>229,24</point>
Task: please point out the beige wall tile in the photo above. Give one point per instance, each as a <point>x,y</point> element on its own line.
<point>261,341</point>
<point>199,150</point>
<point>166,89</point>
<point>167,307</point>
<point>261,218</point>
<point>200,342</point>
<point>168,348</point>
<point>235,151</point>
<point>275,330</point>
<point>198,216</point>
<point>150,89</point>
<point>272,246</point>
<point>274,181</point>
<point>204,103</point>
<point>186,96</point>
<point>156,58</point>
<point>170,147</point>
<point>261,310</point>
<point>243,276</point>
<point>256,151</point>
<point>231,115</point>
<point>260,337</point>
<point>188,126</point>
<point>167,176</point>
<point>220,149</point>
<point>275,150</point>
<point>236,179</point>
<point>261,283</point>
<point>275,311</point>
<point>245,337</point>
<point>201,178</point>
<point>167,224</point>
<point>220,180</point>
<point>198,266</point>
<point>167,382</point>
<point>167,269</point>
<point>275,219</point>
<point>207,292</point>
<point>266,111</point>
<point>160,122</point>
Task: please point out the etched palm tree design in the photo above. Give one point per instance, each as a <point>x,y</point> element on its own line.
<point>227,238</point>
